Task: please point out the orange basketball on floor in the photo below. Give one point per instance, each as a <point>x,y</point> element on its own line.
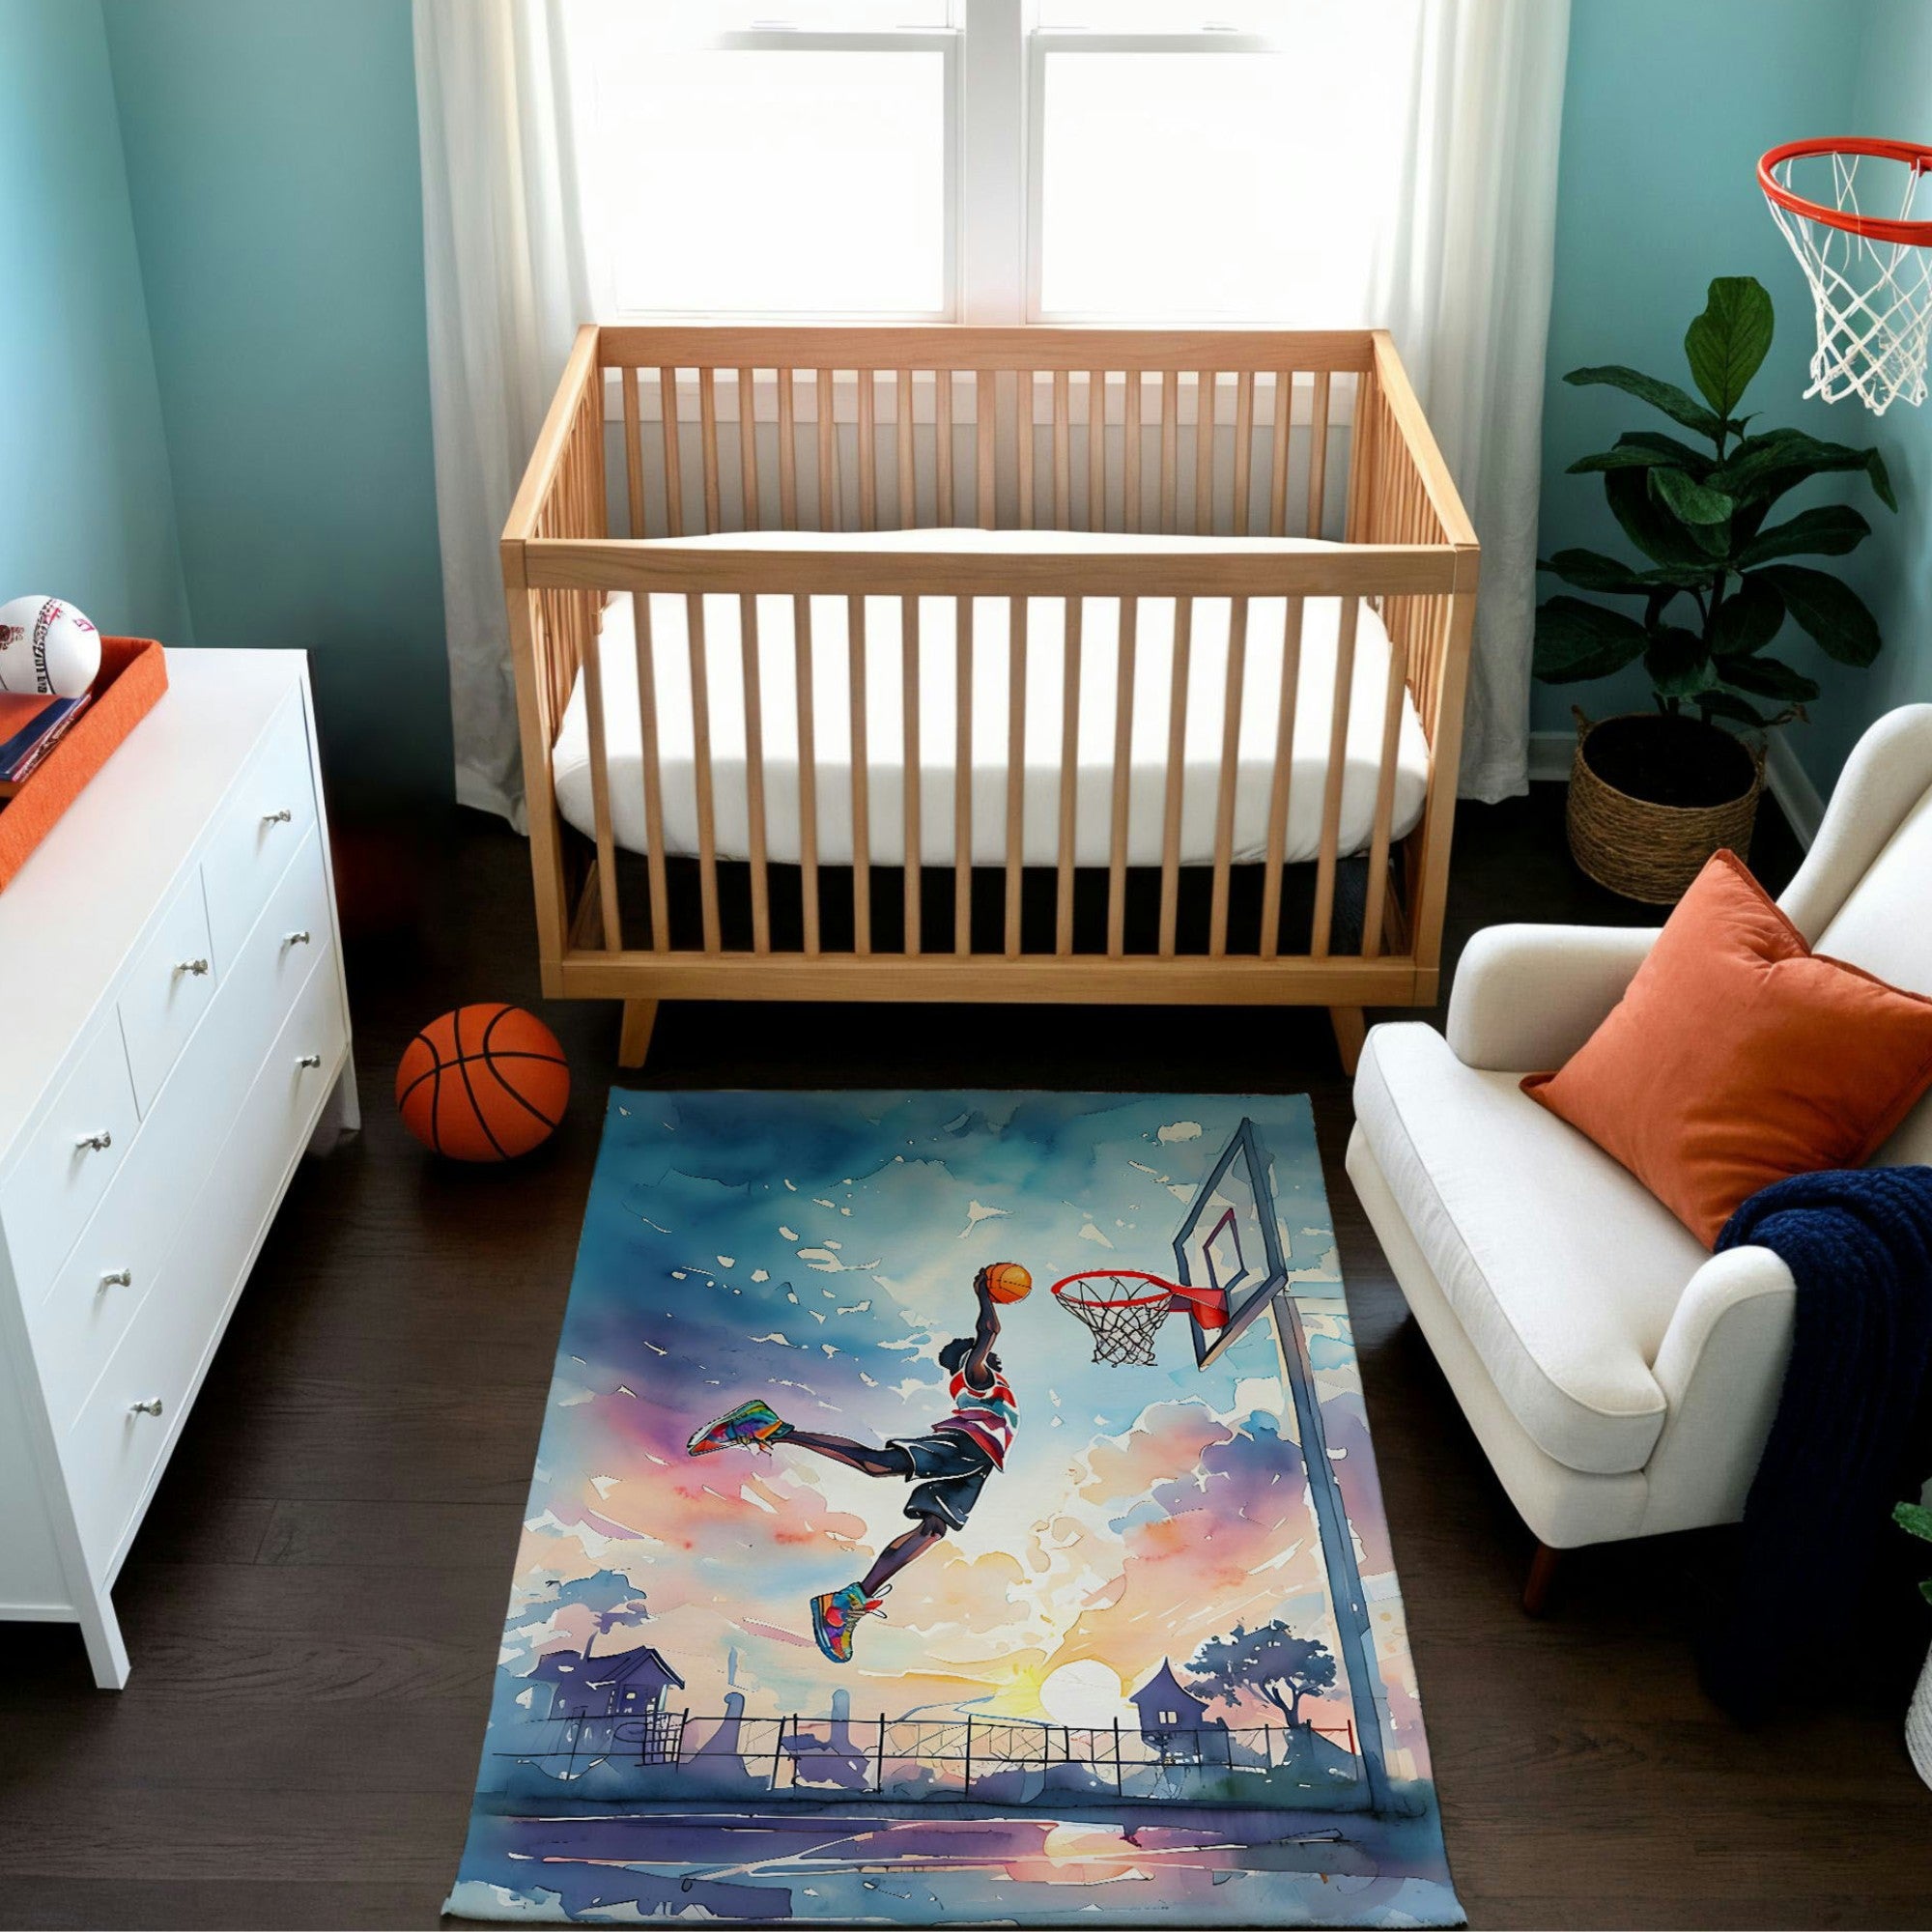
<point>483,1083</point>
<point>1008,1281</point>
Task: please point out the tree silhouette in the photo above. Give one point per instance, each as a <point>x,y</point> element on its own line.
<point>1270,1662</point>
<point>612,1600</point>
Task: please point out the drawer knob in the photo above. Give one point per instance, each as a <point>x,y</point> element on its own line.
<point>151,1407</point>
<point>309,1060</point>
<point>117,1278</point>
<point>280,817</point>
<point>94,1143</point>
<point>301,938</point>
<point>196,966</point>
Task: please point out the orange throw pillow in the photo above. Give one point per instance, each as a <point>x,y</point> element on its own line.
<point>1738,1057</point>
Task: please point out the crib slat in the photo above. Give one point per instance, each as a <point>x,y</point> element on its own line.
<point>1244,445</point>
<point>1070,771</point>
<point>1203,453</point>
<point>1062,451</point>
<point>748,449</point>
<point>1284,419</point>
<point>1283,778</point>
<point>868,452</point>
<point>1170,445</point>
<point>1331,802</point>
<point>908,478</point>
<point>1317,452</point>
<point>707,433</point>
<point>1177,751</point>
<point>1016,669</point>
<point>1023,443</point>
<point>1231,752</point>
<point>1124,745</point>
<point>829,505</point>
<point>962,777</point>
<point>647,737</point>
<point>754,772</point>
<point>787,449</point>
<point>1096,450</point>
<point>984,394</point>
<point>808,770</point>
<point>942,439</point>
<point>914,854</point>
<point>1130,453</point>
<point>600,791</point>
<point>674,456</point>
<point>862,780</point>
<point>1379,839</point>
<point>634,452</point>
<point>700,735</point>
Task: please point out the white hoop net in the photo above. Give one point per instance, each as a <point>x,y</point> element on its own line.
<point>1873,297</point>
<point>1124,1313</point>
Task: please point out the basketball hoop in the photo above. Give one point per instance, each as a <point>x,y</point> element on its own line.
<point>1124,1309</point>
<point>1870,274</point>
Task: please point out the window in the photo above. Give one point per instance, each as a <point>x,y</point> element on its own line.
<point>982,160</point>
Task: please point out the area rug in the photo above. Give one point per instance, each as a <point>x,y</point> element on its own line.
<point>863,1583</point>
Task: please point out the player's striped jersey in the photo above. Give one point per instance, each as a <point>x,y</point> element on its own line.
<point>990,1415</point>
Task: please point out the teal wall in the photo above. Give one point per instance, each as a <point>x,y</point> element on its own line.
<point>1669,107</point>
<point>276,193</point>
<point>87,511</point>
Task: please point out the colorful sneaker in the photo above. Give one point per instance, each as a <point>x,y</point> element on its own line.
<point>751,1425</point>
<point>835,1615</point>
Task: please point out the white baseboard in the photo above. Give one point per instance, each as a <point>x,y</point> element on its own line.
<point>1785,779</point>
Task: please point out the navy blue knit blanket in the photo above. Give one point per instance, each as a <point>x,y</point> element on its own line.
<point>1859,1244</point>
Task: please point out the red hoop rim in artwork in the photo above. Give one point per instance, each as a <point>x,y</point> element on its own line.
<point>1200,1301</point>
<point>1870,227</point>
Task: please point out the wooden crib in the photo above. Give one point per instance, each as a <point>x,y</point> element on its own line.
<point>1223,436</point>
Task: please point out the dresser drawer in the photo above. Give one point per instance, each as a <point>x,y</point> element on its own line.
<point>67,1164</point>
<point>166,991</point>
<point>117,1443</point>
<point>266,817</point>
<point>81,1321</point>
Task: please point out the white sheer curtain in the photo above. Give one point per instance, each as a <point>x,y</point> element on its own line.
<point>1461,280</point>
<point>504,257</point>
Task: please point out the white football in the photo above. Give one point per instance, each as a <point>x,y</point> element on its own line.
<point>46,647</point>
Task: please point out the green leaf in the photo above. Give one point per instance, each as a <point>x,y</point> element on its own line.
<point>1691,501</point>
<point>1721,705</point>
<point>1762,467</point>
<point>1727,344</point>
<point>1577,640</point>
<point>1592,570</point>
<point>1915,1519</point>
<point>1675,403</point>
<point>1766,677</point>
<point>1747,620</point>
<point>1650,525</point>
<point>1645,450</point>
<point>1830,532</point>
<point>1677,662</point>
<point>1835,616</point>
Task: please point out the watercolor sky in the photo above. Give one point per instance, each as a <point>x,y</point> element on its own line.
<point>815,1250</point>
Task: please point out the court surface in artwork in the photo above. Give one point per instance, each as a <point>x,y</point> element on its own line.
<point>1138,1649</point>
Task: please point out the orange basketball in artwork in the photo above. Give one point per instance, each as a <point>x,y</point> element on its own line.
<point>1008,1281</point>
<point>483,1083</point>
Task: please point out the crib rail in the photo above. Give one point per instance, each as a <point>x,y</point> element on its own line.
<point>1234,433</point>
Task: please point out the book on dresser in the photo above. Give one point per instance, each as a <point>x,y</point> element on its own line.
<point>175,940</point>
<point>30,727</point>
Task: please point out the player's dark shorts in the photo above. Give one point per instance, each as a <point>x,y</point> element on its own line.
<point>949,1471</point>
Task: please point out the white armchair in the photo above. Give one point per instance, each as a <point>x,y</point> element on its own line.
<point>1620,1380</point>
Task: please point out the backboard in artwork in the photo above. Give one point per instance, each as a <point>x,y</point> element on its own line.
<point>1231,1241</point>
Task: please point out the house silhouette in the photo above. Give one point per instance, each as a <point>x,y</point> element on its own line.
<point>1173,1720</point>
<point>624,1684</point>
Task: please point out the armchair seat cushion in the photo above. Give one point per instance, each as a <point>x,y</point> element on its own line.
<point>1561,1268</point>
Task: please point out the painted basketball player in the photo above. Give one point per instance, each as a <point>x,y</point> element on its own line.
<point>948,1465</point>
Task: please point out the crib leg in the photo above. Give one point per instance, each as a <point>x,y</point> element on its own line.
<point>633,1042</point>
<point>1351,1030</point>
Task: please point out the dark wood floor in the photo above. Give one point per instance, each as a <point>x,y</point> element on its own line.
<point>314,1605</point>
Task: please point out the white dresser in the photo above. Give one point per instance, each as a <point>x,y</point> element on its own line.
<point>173,1031</point>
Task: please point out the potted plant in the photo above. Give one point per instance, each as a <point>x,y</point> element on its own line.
<point>1916,1519</point>
<point>1653,794</point>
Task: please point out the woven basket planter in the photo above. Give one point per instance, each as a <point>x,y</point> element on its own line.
<point>1645,851</point>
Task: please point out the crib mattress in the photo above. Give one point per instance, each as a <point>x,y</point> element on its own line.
<point>1206,689</point>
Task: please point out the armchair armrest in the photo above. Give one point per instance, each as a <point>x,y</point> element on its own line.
<point>1721,1368</point>
<point>1526,997</point>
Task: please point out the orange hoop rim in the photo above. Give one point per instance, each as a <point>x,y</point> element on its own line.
<point>1199,1300</point>
<point>1869,227</point>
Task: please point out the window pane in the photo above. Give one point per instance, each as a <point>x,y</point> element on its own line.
<point>726,16</point>
<point>1165,16</point>
<point>787,183</point>
<point>1208,184</point>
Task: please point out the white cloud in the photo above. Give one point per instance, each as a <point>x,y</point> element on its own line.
<point>1180,1130</point>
